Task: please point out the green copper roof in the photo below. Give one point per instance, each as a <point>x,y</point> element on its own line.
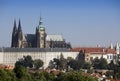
<point>41,26</point>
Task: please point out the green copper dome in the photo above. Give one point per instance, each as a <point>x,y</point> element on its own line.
<point>41,26</point>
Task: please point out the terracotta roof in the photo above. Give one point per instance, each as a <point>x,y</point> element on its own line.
<point>7,67</point>
<point>88,49</point>
<point>98,50</point>
<point>110,51</point>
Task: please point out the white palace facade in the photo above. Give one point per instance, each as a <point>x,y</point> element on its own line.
<point>9,56</point>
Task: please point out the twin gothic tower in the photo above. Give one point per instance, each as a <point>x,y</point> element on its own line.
<point>19,40</point>
<point>38,40</point>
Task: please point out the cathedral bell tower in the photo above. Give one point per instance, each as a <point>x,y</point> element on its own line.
<point>40,35</point>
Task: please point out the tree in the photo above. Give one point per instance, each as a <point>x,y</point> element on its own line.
<point>95,63</point>
<point>111,65</point>
<point>51,64</point>
<point>62,62</point>
<point>74,76</point>
<point>103,63</point>
<point>78,64</point>
<point>117,71</point>
<point>3,75</point>
<point>86,65</point>
<point>22,73</point>
<point>74,64</point>
<point>26,61</point>
<point>11,75</point>
<point>81,56</point>
<point>100,63</point>
<point>56,63</point>
<point>38,63</point>
<point>59,63</point>
<point>43,76</point>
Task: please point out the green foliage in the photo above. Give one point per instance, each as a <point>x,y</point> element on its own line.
<point>74,64</point>
<point>51,64</point>
<point>66,64</point>
<point>43,76</point>
<point>111,65</point>
<point>26,62</point>
<point>11,75</point>
<point>22,73</point>
<point>81,56</point>
<point>86,65</point>
<point>3,75</point>
<point>58,63</point>
<point>74,76</point>
<point>109,74</point>
<point>7,75</point>
<point>117,75</point>
<point>62,62</point>
<point>100,63</point>
<point>38,63</point>
<point>79,64</point>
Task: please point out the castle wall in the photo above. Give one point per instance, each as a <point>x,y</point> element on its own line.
<point>10,58</point>
<point>1,57</point>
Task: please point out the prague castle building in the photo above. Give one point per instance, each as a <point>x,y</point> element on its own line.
<point>47,47</point>
<point>38,40</point>
<point>39,46</point>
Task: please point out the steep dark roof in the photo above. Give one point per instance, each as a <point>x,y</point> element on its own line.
<point>34,50</point>
<point>30,37</point>
<point>0,49</point>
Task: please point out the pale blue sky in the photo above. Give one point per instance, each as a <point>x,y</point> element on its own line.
<point>81,22</point>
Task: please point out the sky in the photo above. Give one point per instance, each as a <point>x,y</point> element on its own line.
<point>81,22</point>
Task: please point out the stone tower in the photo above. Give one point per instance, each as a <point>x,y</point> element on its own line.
<point>40,35</point>
<point>14,35</point>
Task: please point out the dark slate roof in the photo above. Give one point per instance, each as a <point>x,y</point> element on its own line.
<point>30,37</point>
<point>34,50</point>
<point>0,49</point>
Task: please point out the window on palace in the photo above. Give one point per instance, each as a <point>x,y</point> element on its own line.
<point>107,56</point>
<point>110,57</point>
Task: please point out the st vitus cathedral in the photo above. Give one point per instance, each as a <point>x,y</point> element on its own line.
<point>38,40</point>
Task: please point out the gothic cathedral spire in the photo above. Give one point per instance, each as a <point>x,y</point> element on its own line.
<point>14,35</point>
<point>19,27</point>
<point>20,35</point>
<point>14,28</point>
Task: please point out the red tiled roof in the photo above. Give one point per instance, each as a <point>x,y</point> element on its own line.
<point>88,49</point>
<point>94,50</point>
<point>110,51</point>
